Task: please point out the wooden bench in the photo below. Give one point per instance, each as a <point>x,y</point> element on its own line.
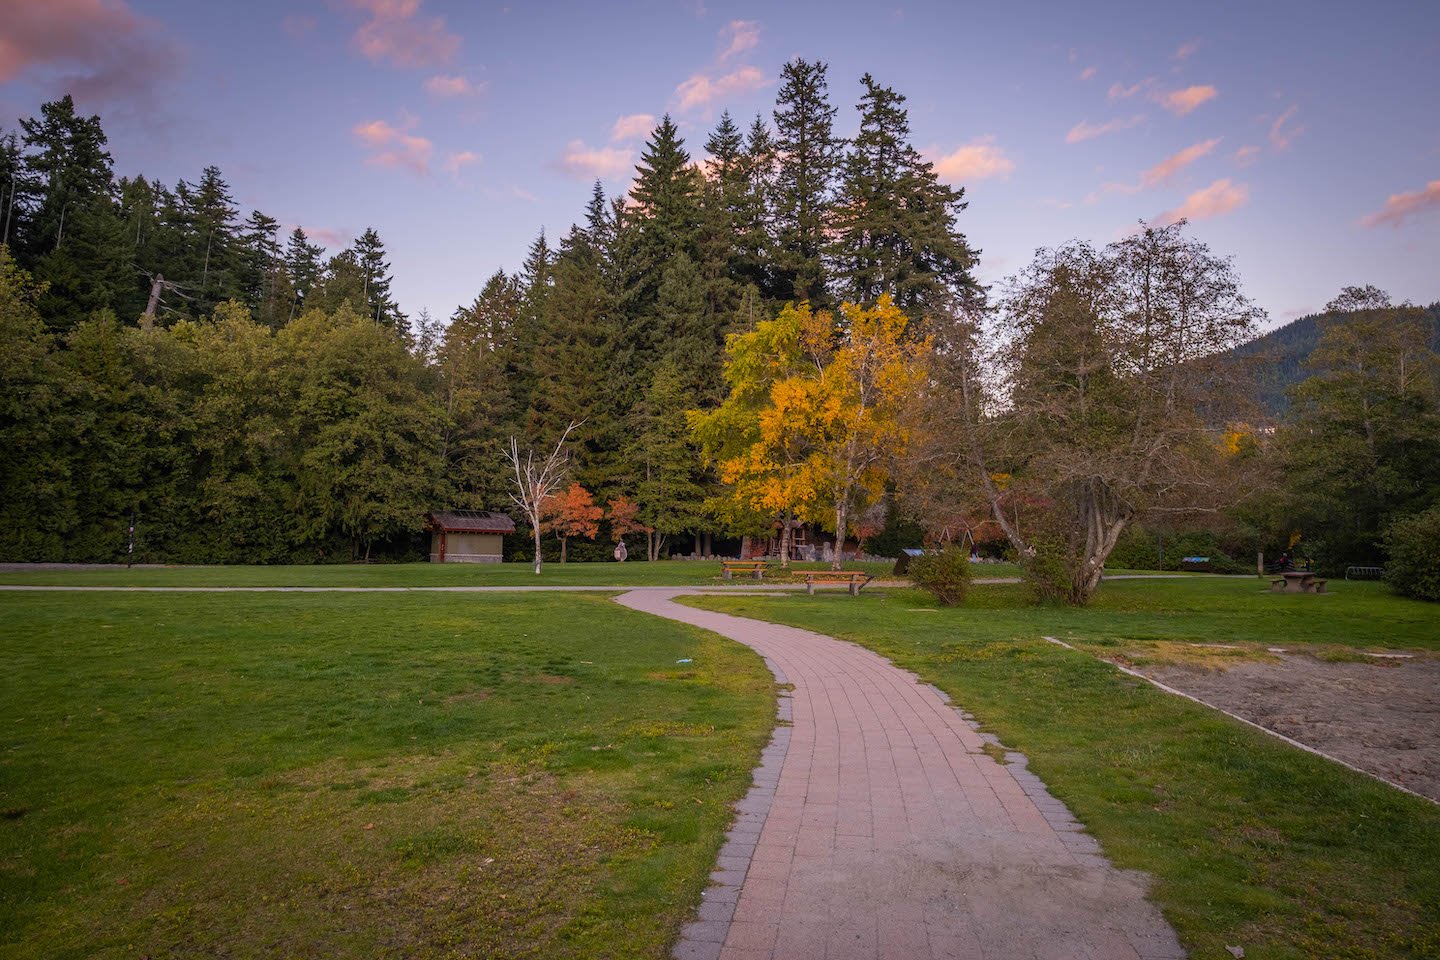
<point>856,579</point>
<point>756,568</point>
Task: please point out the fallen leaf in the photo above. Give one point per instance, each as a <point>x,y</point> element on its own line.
<point>369,826</point>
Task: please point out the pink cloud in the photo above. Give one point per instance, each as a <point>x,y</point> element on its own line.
<point>584,162</point>
<point>1185,51</point>
<point>979,159</point>
<point>1085,130</point>
<point>392,148</point>
<point>95,49</point>
<point>701,90</point>
<point>1118,91</point>
<point>1280,136</point>
<point>328,237</point>
<point>632,126</point>
<point>1399,206</point>
<point>1088,73</point>
<point>455,162</point>
<point>397,32</point>
<point>442,85</point>
<point>1245,155</point>
<point>739,36</point>
<point>1181,102</point>
<point>1220,197</point>
<point>1174,163</point>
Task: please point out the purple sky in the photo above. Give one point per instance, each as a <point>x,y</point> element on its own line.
<point>1303,138</point>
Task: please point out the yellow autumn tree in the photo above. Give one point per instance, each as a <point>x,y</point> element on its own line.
<point>813,419</point>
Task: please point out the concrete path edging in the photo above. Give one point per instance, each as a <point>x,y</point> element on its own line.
<point>878,826</point>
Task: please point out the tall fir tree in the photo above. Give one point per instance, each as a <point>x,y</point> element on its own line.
<point>369,252</point>
<point>895,219</point>
<point>808,155</point>
<point>302,264</point>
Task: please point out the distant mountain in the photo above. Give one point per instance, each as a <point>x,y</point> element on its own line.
<point>1284,350</point>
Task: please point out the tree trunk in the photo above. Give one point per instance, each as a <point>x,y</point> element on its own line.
<point>564,541</point>
<point>1260,563</point>
<point>841,522</point>
<point>745,547</point>
<point>536,531</point>
<point>785,540</point>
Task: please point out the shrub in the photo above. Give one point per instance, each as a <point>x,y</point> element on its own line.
<point>946,574</point>
<point>1414,546</point>
<point>1047,573</point>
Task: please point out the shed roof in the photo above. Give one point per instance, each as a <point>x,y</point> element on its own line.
<point>470,521</point>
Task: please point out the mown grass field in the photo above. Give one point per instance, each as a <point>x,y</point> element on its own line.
<point>629,574</point>
<point>1252,843</point>
<point>362,775</point>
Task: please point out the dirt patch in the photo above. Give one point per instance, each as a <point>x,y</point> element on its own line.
<point>1380,715</point>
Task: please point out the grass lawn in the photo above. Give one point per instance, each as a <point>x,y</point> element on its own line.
<point>630,574</point>
<point>371,775</point>
<point>1252,843</point>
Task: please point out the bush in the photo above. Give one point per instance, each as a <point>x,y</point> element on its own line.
<point>946,574</point>
<point>1414,546</point>
<point>1047,573</point>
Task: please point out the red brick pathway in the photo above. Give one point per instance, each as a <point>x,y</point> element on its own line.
<point>877,828</point>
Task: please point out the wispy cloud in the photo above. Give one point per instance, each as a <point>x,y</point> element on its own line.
<point>456,162</point>
<point>1088,73</point>
<point>632,126</point>
<point>738,37</point>
<point>393,147</point>
<point>1282,131</point>
<point>1246,155</point>
<point>1118,91</point>
<point>1084,130</point>
<point>701,90</point>
<point>584,162</point>
<point>979,159</point>
<point>397,32</point>
<point>1401,206</point>
<point>1181,102</point>
<point>1161,173</point>
<point>1173,164</point>
<point>1219,198</point>
<point>99,50</point>
<point>1185,51</point>
<point>444,85</point>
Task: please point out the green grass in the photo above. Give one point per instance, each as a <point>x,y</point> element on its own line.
<point>660,573</point>
<point>1252,843</point>
<point>371,775</point>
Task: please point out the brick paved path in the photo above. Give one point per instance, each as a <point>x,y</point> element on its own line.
<point>878,828</point>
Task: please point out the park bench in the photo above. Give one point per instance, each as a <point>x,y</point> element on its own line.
<point>855,579</point>
<point>756,568</point>
<point>1298,581</point>
<point>1363,572</point>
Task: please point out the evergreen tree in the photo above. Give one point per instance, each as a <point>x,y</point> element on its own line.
<point>66,168</point>
<point>667,484</point>
<point>261,270</point>
<point>663,223</point>
<point>378,305</point>
<point>808,154</point>
<point>896,219</point>
<point>302,265</point>
<point>214,262</point>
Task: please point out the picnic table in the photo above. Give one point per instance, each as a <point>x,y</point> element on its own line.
<point>1298,581</point>
<point>855,579</point>
<point>756,568</point>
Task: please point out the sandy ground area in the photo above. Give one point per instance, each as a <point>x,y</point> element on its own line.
<point>1383,717</point>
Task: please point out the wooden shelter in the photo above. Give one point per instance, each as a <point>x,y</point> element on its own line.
<point>467,536</point>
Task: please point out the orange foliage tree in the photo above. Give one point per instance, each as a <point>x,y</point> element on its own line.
<point>573,513</point>
<point>624,516</point>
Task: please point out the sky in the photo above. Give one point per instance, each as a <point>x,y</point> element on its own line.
<point>1300,138</point>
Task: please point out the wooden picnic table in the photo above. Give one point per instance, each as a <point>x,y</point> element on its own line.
<point>756,568</point>
<point>1298,581</point>
<point>856,579</point>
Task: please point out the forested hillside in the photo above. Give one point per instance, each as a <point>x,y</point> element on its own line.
<point>1282,354</point>
<point>175,363</point>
